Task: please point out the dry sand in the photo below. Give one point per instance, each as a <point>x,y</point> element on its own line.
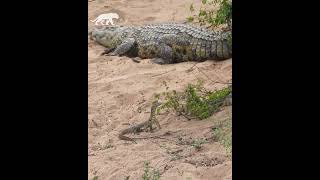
<point>120,93</point>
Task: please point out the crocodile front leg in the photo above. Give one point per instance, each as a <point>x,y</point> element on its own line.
<point>123,48</point>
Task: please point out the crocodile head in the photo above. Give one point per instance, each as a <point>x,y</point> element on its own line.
<point>110,37</point>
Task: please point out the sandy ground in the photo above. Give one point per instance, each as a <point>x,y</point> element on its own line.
<point>120,94</point>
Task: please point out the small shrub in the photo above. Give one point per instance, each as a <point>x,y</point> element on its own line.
<point>219,17</point>
<point>190,19</point>
<point>222,132</point>
<point>198,143</point>
<point>195,101</point>
<point>147,175</point>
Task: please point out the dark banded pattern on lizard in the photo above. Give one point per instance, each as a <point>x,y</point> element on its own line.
<point>142,126</point>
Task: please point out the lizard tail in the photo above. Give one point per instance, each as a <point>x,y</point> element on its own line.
<point>122,137</point>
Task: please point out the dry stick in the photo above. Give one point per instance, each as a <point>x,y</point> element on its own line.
<point>195,65</point>
<point>156,137</point>
<point>162,73</point>
<point>184,115</point>
<point>209,77</point>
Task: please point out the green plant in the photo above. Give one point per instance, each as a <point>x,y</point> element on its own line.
<point>190,19</point>
<point>198,143</point>
<point>156,175</point>
<point>195,101</point>
<point>147,175</point>
<point>95,178</point>
<point>196,104</point>
<point>222,132</point>
<point>223,15</point>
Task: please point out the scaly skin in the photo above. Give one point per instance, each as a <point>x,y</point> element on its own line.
<point>165,43</point>
<point>142,126</point>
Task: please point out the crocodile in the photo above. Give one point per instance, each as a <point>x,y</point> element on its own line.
<point>142,126</point>
<point>164,43</point>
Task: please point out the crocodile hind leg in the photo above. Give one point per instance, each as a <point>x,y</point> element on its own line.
<point>123,48</point>
<point>178,44</point>
<point>164,56</point>
<point>158,53</point>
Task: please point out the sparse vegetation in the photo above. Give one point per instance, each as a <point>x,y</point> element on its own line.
<point>147,175</point>
<point>198,103</point>
<point>194,102</point>
<point>222,132</point>
<point>198,143</point>
<point>190,19</point>
<point>223,15</point>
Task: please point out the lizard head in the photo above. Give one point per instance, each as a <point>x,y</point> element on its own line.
<point>156,103</point>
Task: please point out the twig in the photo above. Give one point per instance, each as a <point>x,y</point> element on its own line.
<point>209,77</point>
<point>195,65</point>
<point>184,115</point>
<point>162,73</point>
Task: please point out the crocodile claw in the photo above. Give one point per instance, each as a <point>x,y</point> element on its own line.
<point>112,54</point>
<point>158,61</point>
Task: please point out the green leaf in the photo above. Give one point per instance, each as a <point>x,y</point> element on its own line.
<point>202,13</point>
<point>190,19</point>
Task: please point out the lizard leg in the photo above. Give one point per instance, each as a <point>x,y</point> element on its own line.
<point>157,123</point>
<point>150,126</point>
<point>123,48</point>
